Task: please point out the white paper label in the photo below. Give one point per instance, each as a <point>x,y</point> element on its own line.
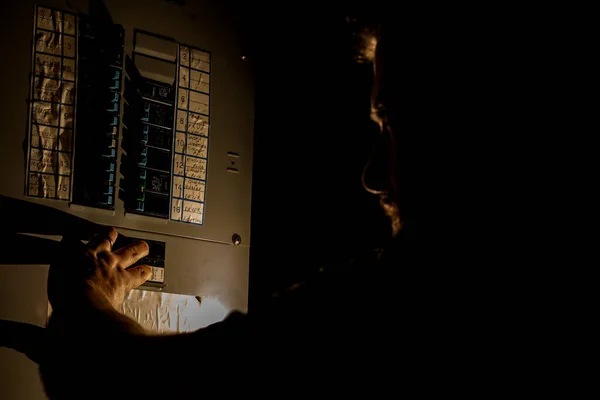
<point>197,124</point>
<point>53,88</point>
<point>43,137</point>
<point>199,81</point>
<point>158,275</point>
<point>195,168</point>
<point>191,137</point>
<point>194,190</point>
<point>196,146</point>
<point>200,60</point>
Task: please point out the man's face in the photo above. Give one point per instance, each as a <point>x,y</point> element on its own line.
<point>381,174</point>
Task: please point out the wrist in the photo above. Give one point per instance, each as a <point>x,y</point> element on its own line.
<point>94,313</point>
<point>96,299</point>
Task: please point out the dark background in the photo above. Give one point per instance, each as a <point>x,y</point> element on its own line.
<point>313,137</point>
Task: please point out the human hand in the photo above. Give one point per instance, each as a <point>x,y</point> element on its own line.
<point>86,287</point>
<point>95,275</point>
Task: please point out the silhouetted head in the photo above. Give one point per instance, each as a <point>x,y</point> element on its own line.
<point>383,175</point>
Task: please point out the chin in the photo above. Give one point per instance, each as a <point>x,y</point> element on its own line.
<point>392,211</point>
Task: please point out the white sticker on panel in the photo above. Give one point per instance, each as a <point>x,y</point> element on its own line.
<point>197,146</point>
<point>194,190</point>
<point>193,212</point>
<point>52,105</point>
<point>200,60</point>
<point>195,168</point>
<point>191,145</point>
<point>43,137</point>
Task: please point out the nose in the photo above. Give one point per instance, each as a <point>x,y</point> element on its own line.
<point>375,176</point>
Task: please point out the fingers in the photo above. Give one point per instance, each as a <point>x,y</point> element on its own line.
<point>103,242</point>
<point>130,254</point>
<point>138,275</point>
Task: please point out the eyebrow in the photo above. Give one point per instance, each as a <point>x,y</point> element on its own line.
<point>378,109</point>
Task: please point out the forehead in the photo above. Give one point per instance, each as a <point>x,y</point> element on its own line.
<point>390,49</point>
<point>389,71</point>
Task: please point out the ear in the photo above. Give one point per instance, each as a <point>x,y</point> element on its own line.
<point>25,338</point>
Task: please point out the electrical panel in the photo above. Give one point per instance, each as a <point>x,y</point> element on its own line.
<point>138,117</point>
<point>134,114</point>
<point>159,98</point>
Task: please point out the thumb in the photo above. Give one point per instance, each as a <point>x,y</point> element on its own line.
<point>138,275</point>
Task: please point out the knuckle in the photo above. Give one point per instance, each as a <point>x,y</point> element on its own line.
<point>105,273</point>
<point>112,259</point>
<point>107,257</point>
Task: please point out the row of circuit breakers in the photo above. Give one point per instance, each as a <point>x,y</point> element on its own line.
<point>83,83</point>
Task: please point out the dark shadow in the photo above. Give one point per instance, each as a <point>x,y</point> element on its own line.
<point>38,250</point>
<point>43,220</point>
<point>25,338</point>
<point>15,235</point>
<point>20,218</point>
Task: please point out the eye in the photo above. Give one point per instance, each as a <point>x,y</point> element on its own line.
<point>379,109</point>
